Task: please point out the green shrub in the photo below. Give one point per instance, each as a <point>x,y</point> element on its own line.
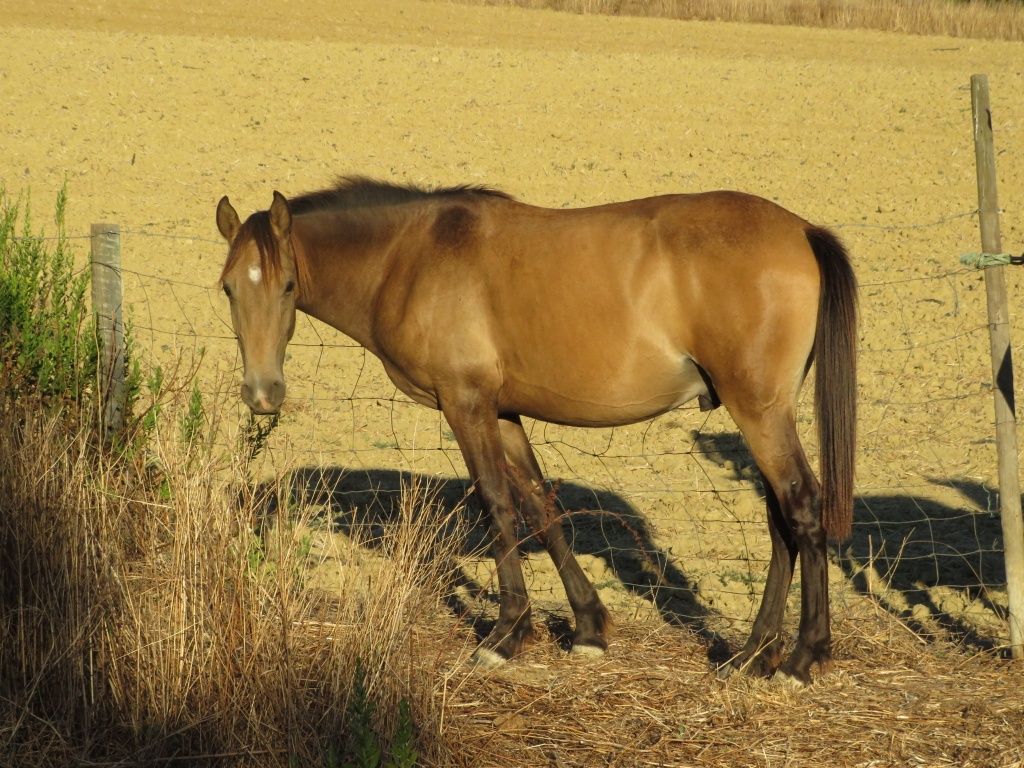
<point>47,336</point>
<point>364,742</point>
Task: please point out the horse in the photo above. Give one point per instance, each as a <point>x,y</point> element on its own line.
<point>490,309</point>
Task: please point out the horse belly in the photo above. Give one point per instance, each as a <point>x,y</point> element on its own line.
<point>604,395</point>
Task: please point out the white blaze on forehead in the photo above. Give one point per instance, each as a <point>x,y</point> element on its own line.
<point>255,274</point>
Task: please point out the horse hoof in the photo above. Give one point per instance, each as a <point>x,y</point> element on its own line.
<point>485,658</point>
<point>725,671</point>
<point>586,651</point>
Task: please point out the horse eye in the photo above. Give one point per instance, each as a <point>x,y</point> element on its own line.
<point>227,291</point>
<point>290,286</point>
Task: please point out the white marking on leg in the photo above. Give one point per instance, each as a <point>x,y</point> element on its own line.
<point>789,681</point>
<point>587,651</point>
<point>485,658</point>
<point>255,274</point>
<point>725,671</point>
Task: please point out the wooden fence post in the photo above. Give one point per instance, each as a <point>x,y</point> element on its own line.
<point>106,302</point>
<point>1002,364</point>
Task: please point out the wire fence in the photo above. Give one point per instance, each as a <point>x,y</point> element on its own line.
<point>668,516</point>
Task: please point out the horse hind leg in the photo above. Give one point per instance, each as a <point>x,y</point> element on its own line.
<point>592,619</point>
<point>795,524</point>
<point>762,653</point>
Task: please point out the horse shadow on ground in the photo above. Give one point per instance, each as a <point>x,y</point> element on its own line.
<point>914,543</point>
<point>917,544</point>
<point>366,502</point>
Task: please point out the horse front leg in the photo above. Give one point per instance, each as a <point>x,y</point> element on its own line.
<point>476,430</point>
<point>592,619</point>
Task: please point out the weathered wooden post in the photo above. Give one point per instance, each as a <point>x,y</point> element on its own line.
<point>106,302</point>
<point>1002,364</point>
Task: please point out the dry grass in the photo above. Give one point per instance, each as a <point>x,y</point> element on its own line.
<point>143,628</point>
<point>991,20</point>
<point>142,621</point>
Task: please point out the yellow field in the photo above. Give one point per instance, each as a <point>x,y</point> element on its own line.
<point>152,112</point>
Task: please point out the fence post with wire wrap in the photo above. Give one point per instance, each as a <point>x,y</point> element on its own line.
<point>1002,364</point>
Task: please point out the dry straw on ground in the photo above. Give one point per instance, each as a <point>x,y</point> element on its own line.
<point>992,20</point>
<point>653,702</point>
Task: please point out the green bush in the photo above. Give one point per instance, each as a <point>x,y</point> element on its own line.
<point>47,336</point>
<point>363,740</point>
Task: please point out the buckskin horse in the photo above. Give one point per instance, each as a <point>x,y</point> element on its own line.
<point>490,309</point>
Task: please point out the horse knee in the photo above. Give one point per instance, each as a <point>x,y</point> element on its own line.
<point>535,505</point>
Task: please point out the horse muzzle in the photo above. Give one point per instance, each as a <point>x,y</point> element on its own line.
<point>263,398</point>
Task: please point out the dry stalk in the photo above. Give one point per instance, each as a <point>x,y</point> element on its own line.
<point>1001,21</point>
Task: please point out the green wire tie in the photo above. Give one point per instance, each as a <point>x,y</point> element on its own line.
<point>984,260</point>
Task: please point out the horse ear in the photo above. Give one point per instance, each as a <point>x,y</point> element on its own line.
<point>227,219</point>
<point>280,216</point>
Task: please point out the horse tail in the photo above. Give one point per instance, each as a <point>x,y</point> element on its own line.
<point>835,383</point>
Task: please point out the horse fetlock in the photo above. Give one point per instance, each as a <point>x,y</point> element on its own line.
<point>755,665</point>
<point>760,657</point>
<point>824,665</point>
<point>803,659</point>
<point>508,640</point>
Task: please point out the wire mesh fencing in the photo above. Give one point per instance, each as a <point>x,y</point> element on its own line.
<point>666,516</point>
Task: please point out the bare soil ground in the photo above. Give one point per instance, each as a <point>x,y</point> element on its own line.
<point>150,113</point>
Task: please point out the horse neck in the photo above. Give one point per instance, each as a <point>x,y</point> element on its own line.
<point>345,253</point>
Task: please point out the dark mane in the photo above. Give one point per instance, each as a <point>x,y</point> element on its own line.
<point>362,192</point>
<point>350,192</point>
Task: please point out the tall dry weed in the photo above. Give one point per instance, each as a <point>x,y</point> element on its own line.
<point>144,616</point>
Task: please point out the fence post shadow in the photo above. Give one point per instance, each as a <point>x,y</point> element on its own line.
<point>598,523</point>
